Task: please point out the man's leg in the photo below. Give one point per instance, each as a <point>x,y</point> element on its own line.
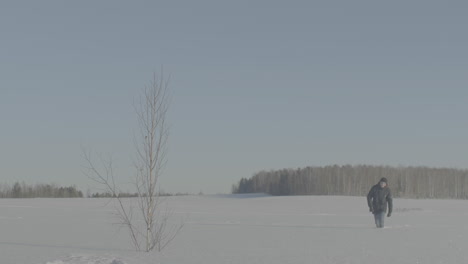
<point>381,219</point>
<point>377,220</point>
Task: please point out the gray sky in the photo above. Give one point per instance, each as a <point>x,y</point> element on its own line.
<point>256,85</point>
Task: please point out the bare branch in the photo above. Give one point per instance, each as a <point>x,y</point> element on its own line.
<point>151,109</point>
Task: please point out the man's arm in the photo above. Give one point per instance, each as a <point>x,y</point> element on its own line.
<point>369,199</point>
<point>390,203</point>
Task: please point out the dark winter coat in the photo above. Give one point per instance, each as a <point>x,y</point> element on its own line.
<point>378,198</point>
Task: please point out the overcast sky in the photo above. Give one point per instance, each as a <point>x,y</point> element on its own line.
<point>256,85</point>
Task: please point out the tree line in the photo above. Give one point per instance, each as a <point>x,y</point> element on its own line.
<point>405,182</point>
<point>23,190</point>
<point>111,195</point>
<point>131,195</point>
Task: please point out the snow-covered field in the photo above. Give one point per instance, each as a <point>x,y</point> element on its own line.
<point>223,229</point>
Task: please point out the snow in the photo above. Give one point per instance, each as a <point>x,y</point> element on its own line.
<point>87,260</point>
<point>239,229</point>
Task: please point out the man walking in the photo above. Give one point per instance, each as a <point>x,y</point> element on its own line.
<point>377,199</point>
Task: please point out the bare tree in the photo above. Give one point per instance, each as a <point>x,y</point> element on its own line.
<point>151,149</point>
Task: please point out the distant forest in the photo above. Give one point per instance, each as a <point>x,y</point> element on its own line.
<point>23,190</point>
<point>129,195</point>
<point>405,182</point>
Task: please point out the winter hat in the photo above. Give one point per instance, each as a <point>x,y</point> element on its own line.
<point>383,180</point>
